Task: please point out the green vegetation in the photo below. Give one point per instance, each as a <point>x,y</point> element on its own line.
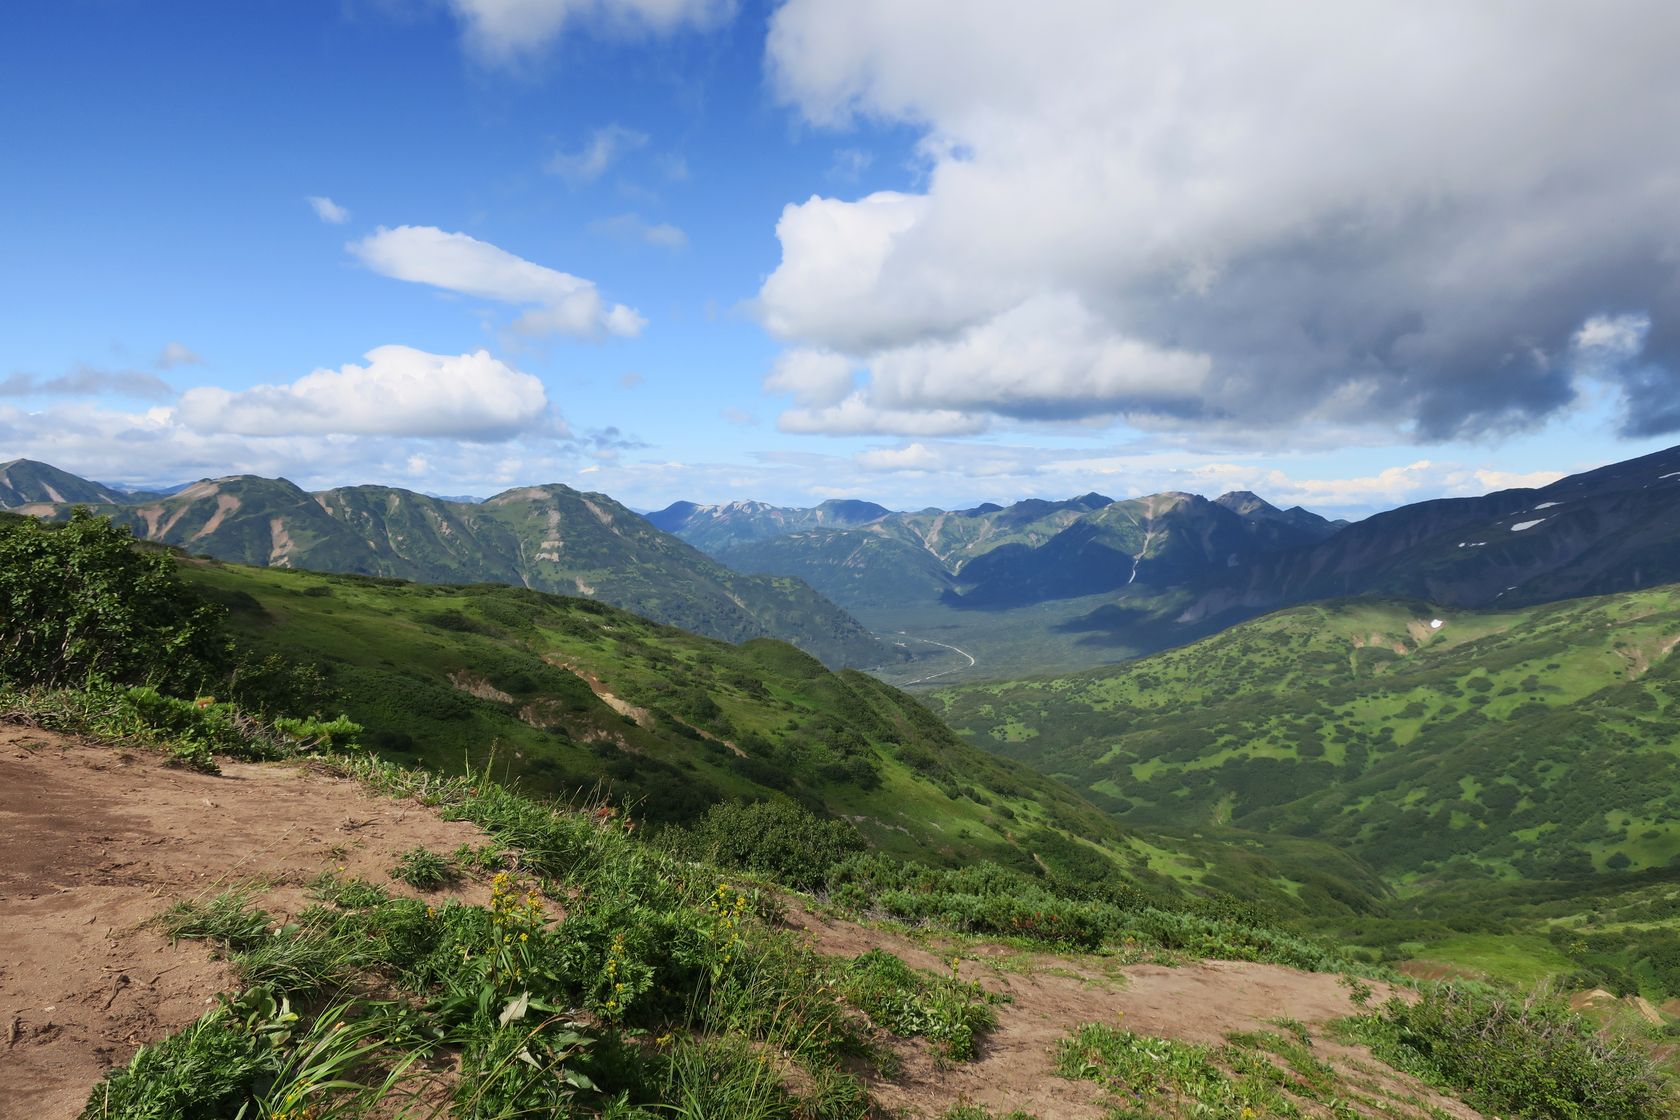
<point>1504,771</point>
<point>897,998</point>
<point>425,870</point>
<point>1526,1057</point>
<point>81,603</point>
<point>615,971</point>
<point>570,695</point>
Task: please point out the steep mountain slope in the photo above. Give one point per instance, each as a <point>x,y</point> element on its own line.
<point>1433,743</point>
<point>569,694</point>
<point>550,538</point>
<point>23,481</point>
<point>1612,529</point>
<point>714,528</point>
<point>1163,540</point>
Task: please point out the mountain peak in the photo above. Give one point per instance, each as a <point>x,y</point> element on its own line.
<point>1245,503</point>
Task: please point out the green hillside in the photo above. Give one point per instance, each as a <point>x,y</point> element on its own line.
<point>570,694</point>
<point>1483,767</point>
<point>1537,742</point>
<point>549,538</point>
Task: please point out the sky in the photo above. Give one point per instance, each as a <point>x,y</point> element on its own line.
<point>1345,254</point>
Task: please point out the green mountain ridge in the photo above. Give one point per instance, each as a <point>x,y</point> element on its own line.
<point>24,481</point>
<point>549,538</point>
<point>565,694</point>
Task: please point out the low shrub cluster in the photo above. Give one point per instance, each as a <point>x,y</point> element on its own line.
<point>950,1012</point>
<point>193,732</point>
<point>986,898</point>
<point>775,838</point>
<point>1529,1057</point>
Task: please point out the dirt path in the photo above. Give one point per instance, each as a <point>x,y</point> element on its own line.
<point>96,841</point>
<point>1049,996</point>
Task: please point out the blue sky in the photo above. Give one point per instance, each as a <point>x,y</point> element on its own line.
<point>922,253</point>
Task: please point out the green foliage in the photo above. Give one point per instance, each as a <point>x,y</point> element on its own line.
<point>950,1012</point>
<point>985,898</point>
<point>980,1112</point>
<point>778,838</point>
<point>254,1056</point>
<point>425,870</point>
<point>512,683</point>
<point>79,602</point>
<point>1527,1057</point>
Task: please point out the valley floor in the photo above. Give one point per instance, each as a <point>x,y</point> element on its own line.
<point>98,840</point>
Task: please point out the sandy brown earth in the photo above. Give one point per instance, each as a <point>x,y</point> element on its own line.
<point>96,841</point>
<point>1049,996</point>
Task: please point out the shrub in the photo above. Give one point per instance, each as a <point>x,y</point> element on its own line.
<point>1534,1057</point>
<point>775,837</point>
<point>80,602</point>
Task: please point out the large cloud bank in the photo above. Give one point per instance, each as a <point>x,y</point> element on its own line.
<point>1434,218</point>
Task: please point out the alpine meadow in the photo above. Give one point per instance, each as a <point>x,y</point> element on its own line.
<point>818,560</point>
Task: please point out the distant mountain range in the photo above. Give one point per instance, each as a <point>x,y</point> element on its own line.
<point>1147,573</point>
<point>863,554</point>
<point>549,538</point>
<point>1031,587</point>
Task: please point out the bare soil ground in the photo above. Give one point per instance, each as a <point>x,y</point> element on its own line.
<point>96,841</point>
<point>1049,996</point>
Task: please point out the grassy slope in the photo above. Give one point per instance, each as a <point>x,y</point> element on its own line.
<point>1500,760</point>
<point>1527,742</point>
<point>404,655</point>
<point>393,649</point>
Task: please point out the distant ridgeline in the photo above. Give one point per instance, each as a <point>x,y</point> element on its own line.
<point>1090,580</point>
<point>548,538</point>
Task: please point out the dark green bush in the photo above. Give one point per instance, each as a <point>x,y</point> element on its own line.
<point>80,602</point>
<point>1533,1058</point>
<point>775,837</point>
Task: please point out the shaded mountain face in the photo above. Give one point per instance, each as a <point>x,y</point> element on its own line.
<point>997,557</point>
<point>24,481</point>
<point>715,528</point>
<point>901,559</point>
<point>1164,540</point>
<point>1612,529</point>
<point>548,538</point>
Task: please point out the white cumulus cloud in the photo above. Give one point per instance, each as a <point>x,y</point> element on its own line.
<point>400,391</point>
<point>559,302</point>
<point>1363,212</point>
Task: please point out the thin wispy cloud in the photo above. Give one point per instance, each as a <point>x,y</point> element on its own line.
<point>559,303</point>
<point>507,32</point>
<point>86,381</point>
<point>598,154</point>
<point>635,228</point>
<point>327,210</point>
